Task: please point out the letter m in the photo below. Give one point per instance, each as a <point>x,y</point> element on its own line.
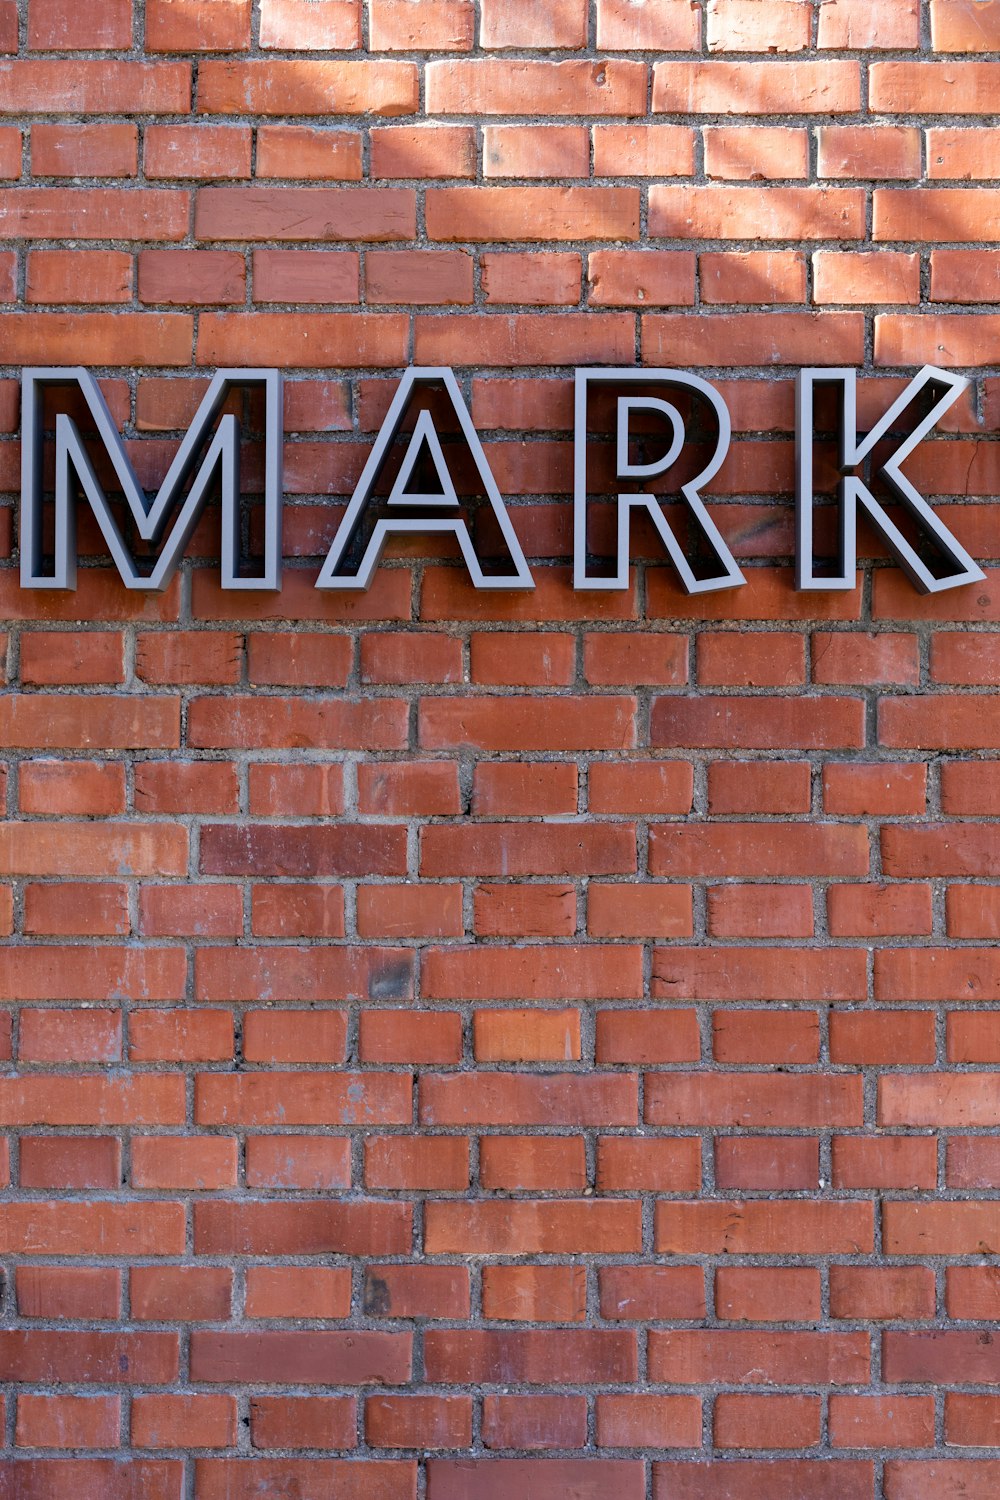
<point>210,449</point>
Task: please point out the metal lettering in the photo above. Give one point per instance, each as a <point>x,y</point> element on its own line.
<point>341,572</point>
<point>957,567</point>
<point>725,572</point>
<point>168,518</point>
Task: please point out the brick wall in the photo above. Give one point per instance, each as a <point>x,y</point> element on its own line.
<point>477,1045</point>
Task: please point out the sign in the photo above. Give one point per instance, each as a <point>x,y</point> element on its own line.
<point>411,483</point>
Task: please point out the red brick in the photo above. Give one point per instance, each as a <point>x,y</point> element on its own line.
<point>197,152</point>
<point>519,659</point>
<point>93,656</point>
<point>399,911</point>
<point>56,1035</point>
<point>648,1421</point>
<point>971,1292</point>
<point>652,1292</point>
<point>892,1162</point>
<point>657,1165</point>
<point>532,151</point>
<point>375,1479</point>
<point>760,911</point>
<point>853,657</point>
<point>304,791</point>
<point>307,276</point>
<point>60,788</point>
<point>298,1292</point>
<point>522,789</point>
<point>176,787</point>
<point>522,1099</point>
<point>643,911</point>
<point>648,787</point>
<point>493,1479</point>
<point>964,26</point>
<point>571,972</point>
<point>76,1356</point>
<point>303,1422</point>
<point>184,1421</point>
<point>319,1099</point>
<point>418,1421</point>
<point>56,1292</point>
<point>866,277</point>
<point>852,23</point>
<point>773,849</point>
<point>187,26</point>
<point>84,909</point>
<point>298,151</point>
<point>882,1292</point>
<point>534,1422</point>
<point>535,1294</point>
<point>756,276</point>
<point>535,1357</point>
<point>782,1164</point>
<point>515,23</point>
<point>741,154</point>
<point>640,149</point>
<point>526,1035</point>
<point>883,789</point>
<point>749,26</point>
<point>748,1036</point>
<point>758,723</point>
<point>419,277</point>
<point>53,26</point>
<point>758,787</point>
<point>273,86</point>
<point>751,1099</point>
<point>766,1421</point>
<point>566,1227</point>
<point>67,1162</point>
<point>531,910</point>
<point>528,849</point>
<point>531,277</point>
<point>288,910</point>
<point>297,1357</point>
<point>763,1228</point>
<point>181,1035</point>
<point>881,1421</point>
<point>170,1164</point>
<point>85,86</point>
<point>67,1421</point>
<point>532,213</point>
<point>180,277</point>
<point>417,1291</point>
<point>758,1357</point>
<point>779,1294</point>
<point>191,911</point>
<point>298,1161</point>
<point>107,150</point>
<point>531,1163</point>
<point>440,1163</point>
<point>397,1036</point>
<point>423,151</point>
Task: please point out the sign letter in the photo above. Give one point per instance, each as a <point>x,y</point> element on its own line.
<point>645,390</point>
<point>167,520</point>
<point>952,564</point>
<point>422,496</point>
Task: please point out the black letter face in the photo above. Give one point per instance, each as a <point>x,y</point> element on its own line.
<point>162,524</point>
<point>426,473</point>
<point>934,560</point>
<point>643,437</point>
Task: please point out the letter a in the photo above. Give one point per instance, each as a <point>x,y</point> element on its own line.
<point>956,567</point>
<point>415,507</point>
